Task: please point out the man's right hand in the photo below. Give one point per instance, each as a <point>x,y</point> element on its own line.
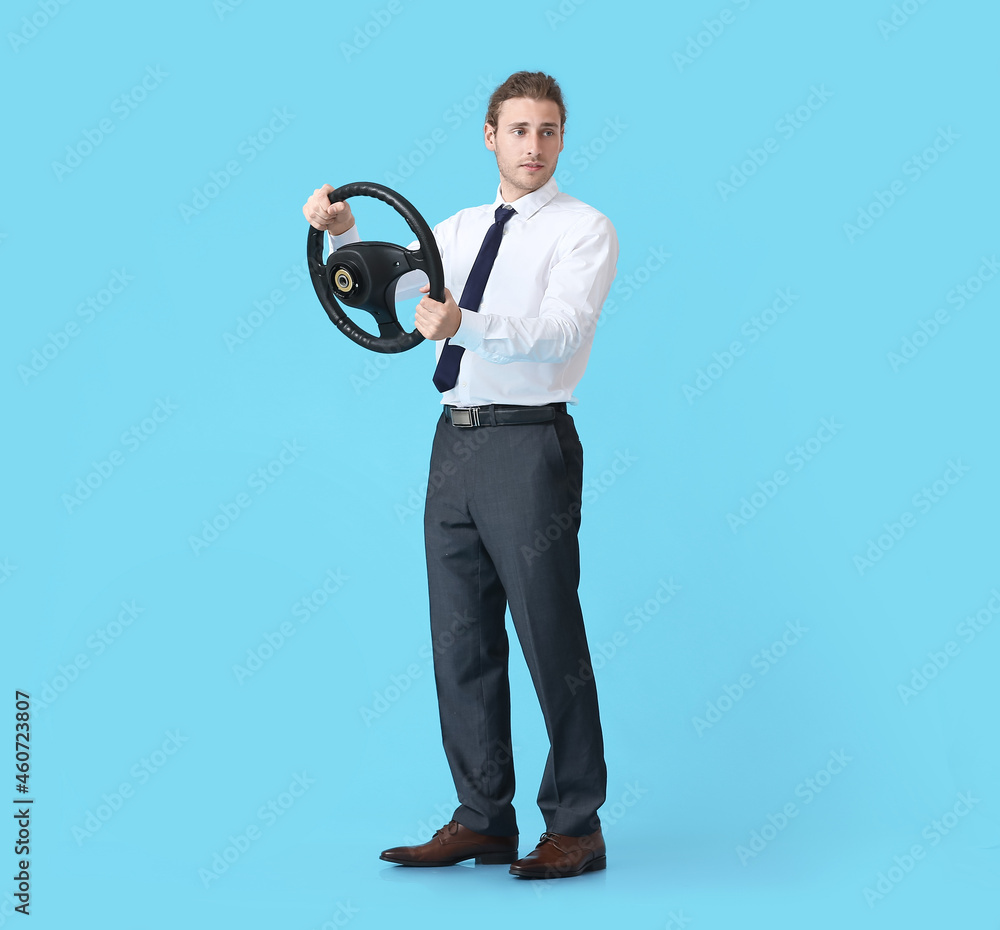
<point>334,218</point>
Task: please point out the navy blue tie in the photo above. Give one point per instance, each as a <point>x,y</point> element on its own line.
<point>446,373</point>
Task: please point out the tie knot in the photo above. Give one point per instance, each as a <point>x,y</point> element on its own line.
<point>503,213</point>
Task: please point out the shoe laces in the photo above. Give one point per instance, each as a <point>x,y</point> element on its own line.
<point>450,829</point>
<point>551,838</point>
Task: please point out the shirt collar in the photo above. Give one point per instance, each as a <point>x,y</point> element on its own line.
<point>528,205</point>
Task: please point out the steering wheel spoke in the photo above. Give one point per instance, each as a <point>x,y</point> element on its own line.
<point>416,260</point>
<point>391,330</point>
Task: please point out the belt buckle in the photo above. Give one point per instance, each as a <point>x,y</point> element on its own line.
<point>465,416</point>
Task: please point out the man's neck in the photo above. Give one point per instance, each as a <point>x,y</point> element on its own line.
<point>518,194</point>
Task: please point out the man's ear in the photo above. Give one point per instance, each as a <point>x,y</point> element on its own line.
<point>489,135</point>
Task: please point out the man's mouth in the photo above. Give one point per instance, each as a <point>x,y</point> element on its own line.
<point>532,166</point>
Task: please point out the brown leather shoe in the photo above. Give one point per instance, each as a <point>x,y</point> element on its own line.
<point>454,843</point>
<point>558,856</point>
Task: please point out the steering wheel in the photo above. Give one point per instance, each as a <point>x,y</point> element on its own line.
<point>364,274</point>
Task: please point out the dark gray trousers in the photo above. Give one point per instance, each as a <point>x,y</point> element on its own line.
<point>500,528</point>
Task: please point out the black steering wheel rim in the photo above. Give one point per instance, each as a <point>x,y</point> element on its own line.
<point>366,272</point>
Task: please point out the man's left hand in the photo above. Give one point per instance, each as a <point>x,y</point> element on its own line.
<point>437,320</point>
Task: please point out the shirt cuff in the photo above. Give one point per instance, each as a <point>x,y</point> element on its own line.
<point>352,235</point>
<point>470,331</point>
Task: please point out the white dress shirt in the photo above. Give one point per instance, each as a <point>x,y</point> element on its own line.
<point>530,340</point>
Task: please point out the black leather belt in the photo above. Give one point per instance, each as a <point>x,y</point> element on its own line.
<point>500,414</point>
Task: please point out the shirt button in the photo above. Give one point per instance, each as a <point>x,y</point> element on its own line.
<point>465,384</point>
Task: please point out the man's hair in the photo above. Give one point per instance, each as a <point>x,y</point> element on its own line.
<point>534,84</point>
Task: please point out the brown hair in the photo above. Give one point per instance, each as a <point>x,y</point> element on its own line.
<point>534,84</point>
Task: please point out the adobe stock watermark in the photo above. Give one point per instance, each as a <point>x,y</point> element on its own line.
<point>95,818</point>
<point>258,481</point>
<point>958,297</point>
<point>462,450</point>
<point>427,827</point>
<point>6,571</point>
<point>612,813</point>
<point>752,330</point>
<point>371,372</point>
<point>934,833</point>
<point>762,662</point>
<point>247,151</point>
<point>615,812</point>
<point>87,310</point>
<point>472,105</point>
<point>224,7</point>
<point>365,34</point>
<point>122,108</point>
<point>806,791</point>
<point>638,618</point>
<point>291,280</point>
<point>924,500</point>
<point>628,285</point>
<point>341,917</point>
<point>131,440</point>
<point>268,815</point>
<point>97,643</point>
<point>385,698</point>
<point>484,775</point>
<point>676,920</point>
<point>583,156</point>
<point>901,14</point>
<point>9,906</point>
<point>557,15</point>
<point>705,38</point>
<point>938,660</point>
<point>46,11</point>
<point>915,167</point>
<point>303,610</point>
<point>786,127</point>
<point>796,459</point>
<point>593,489</point>
<point>598,485</point>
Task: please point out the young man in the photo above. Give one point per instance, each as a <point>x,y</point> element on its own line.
<point>501,520</point>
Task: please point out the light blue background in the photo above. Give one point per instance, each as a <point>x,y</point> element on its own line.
<point>649,137</point>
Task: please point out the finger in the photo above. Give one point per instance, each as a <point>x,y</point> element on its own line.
<point>425,289</point>
<point>313,210</point>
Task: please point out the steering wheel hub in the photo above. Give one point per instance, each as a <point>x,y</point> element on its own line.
<point>343,281</point>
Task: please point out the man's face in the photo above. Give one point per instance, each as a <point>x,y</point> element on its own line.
<point>527,141</point>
